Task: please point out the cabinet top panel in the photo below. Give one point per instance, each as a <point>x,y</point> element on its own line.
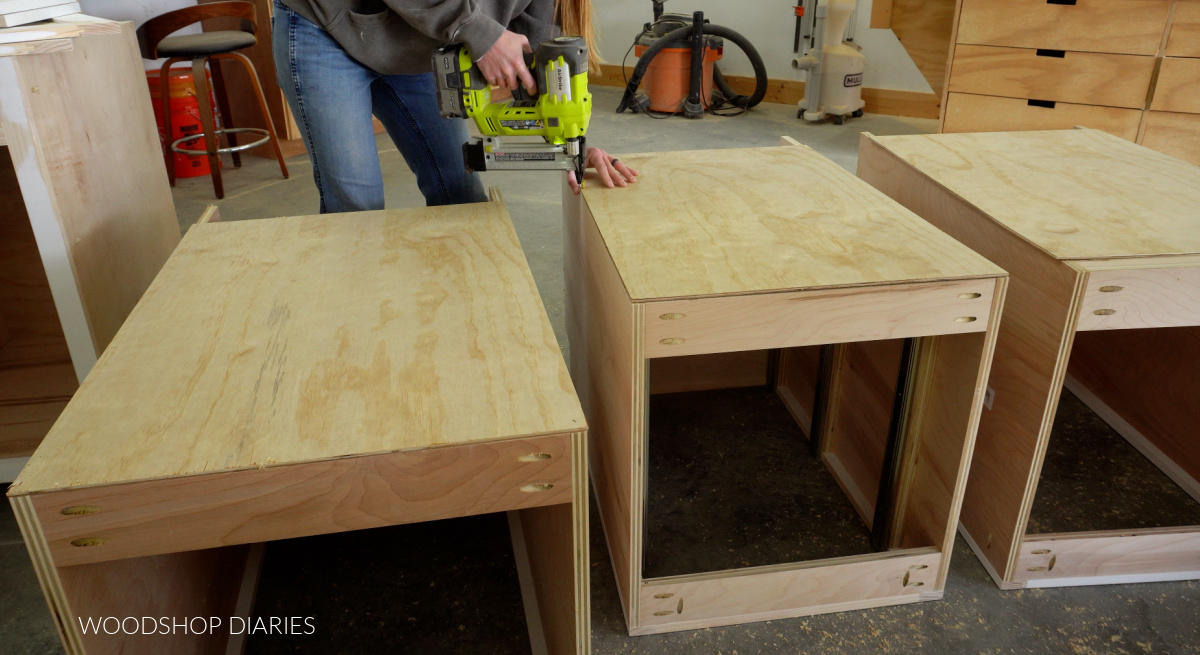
<point>756,220</point>
<point>283,341</point>
<point>1076,194</point>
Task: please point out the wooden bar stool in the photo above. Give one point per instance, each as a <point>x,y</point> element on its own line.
<point>207,48</point>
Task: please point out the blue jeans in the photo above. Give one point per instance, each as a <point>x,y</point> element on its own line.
<point>332,98</point>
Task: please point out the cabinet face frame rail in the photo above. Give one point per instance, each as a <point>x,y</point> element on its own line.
<point>616,340</point>
<point>121,521</point>
<point>1084,302</point>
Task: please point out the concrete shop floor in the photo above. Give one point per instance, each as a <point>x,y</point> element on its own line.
<point>451,587</point>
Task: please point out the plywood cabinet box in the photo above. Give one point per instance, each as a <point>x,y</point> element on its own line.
<point>706,276</point>
<point>86,215</point>
<point>310,375</point>
<point>1102,240</point>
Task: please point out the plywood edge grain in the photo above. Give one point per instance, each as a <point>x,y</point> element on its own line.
<point>47,574</point>
<point>247,592</point>
<point>987,565</point>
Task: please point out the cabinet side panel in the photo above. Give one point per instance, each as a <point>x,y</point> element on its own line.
<point>1148,378</point>
<point>103,170</point>
<point>1030,357</point>
<point>181,586</point>
<point>608,371</point>
<point>864,397</point>
<point>796,383</point>
<point>946,415</point>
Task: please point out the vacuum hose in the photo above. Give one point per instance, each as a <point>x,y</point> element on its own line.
<point>671,38</point>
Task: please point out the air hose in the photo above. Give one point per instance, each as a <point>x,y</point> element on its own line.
<point>682,34</point>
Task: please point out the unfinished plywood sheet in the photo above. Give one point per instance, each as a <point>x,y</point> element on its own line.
<point>691,228</point>
<point>1075,194</point>
<point>93,179</point>
<point>401,330</point>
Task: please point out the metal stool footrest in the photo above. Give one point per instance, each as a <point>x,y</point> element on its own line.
<point>266,136</point>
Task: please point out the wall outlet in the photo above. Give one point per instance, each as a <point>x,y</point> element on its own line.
<point>988,397</point>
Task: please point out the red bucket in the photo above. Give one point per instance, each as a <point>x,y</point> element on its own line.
<point>185,120</point>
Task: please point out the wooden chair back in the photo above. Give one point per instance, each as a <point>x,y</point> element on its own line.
<point>160,27</point>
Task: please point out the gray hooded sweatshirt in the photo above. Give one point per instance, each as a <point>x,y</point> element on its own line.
<point>399,36</point>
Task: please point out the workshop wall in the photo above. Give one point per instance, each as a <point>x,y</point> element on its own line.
<point>768,24</point>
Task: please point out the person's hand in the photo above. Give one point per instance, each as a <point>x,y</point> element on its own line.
<point>612,172</point>
<point>504,64</point>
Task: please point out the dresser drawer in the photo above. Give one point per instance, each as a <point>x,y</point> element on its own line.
<point>1185,30</point>
<point>1177,135</point>
<point>1133,27</point>
<point>1084,78</point>
<point>974,113</point>
<point>1178,87</point>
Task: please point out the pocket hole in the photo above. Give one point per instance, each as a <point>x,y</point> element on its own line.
<point>663,595</point>
<point>965,319</point>
<point>671,317</point>
<point>664,613</point>
<point>1105,312</point>
<point>1041,551</point>
<point>86,542</point>
<point>79,510</point>
<point>1036,568</point>
<point>534,457</point>
<point>1111,288</point>
<point>540,486</point>
<point>918,567</point>
<point>969,296</point>
<point>671,341</point>
<point>915,584</point>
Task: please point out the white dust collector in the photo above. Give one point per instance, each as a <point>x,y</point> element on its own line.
<point>833,63</point>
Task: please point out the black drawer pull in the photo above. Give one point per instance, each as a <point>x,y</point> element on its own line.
<point>1048,104</point>
<point>1042,52</point>
<point>1060,2</point>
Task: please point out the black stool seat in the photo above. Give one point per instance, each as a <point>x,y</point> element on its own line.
<point>208,43</point>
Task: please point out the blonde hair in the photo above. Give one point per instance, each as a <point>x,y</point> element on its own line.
<point>575,19</point>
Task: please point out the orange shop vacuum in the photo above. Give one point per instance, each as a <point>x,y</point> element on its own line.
<point>677,68</point>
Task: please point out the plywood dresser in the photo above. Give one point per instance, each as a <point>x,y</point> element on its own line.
<point>1128,67</point>
<point>309,375</point>
<point>86,215</point>
<point>1102,240</point>
<point>702,277</point>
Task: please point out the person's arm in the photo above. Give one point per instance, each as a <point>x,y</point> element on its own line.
<point>498,51</point>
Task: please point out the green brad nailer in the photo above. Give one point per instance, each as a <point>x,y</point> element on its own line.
<point>558,113</point>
